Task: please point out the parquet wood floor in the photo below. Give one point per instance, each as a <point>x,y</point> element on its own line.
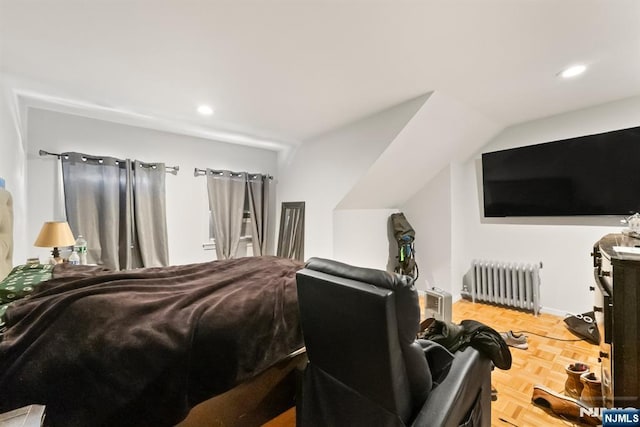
<point>542,363</point>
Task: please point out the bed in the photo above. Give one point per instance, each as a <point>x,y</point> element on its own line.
<point>214,343</point>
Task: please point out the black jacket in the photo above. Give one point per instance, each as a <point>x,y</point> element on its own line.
<point>469,333</point>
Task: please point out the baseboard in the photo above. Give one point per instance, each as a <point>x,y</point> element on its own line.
<point>554,311</point>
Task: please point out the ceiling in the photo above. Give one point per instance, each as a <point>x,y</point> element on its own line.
<point>280,72</point>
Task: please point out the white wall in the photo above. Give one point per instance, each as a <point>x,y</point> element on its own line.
<point>187,203</point>
<point>563,245</point>
<point>13,164</point>
<point>322,170</point>
<point>429,212</point>
<point>414,174</point>
<point>361,237</point>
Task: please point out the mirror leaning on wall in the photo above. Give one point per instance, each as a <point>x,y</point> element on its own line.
<point>291,234</point>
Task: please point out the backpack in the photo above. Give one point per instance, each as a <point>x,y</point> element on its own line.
<point>404,235</point>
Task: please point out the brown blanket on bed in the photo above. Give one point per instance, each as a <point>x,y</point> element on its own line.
<point>143,347</point>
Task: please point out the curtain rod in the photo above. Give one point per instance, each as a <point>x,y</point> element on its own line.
<point>168,169</point>
<point>203,172</point>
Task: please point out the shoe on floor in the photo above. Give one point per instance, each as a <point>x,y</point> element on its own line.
<point>562,406</point>
<point>573,386</point>
<point>515,340</point>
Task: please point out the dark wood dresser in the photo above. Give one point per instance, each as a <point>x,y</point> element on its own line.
<point>616,261</point>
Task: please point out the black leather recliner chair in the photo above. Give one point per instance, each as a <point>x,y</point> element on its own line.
<point>366,367</point>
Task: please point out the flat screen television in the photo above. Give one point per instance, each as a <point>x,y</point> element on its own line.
<point>588,175</point>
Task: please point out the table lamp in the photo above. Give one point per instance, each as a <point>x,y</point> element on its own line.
<point>55,234</point>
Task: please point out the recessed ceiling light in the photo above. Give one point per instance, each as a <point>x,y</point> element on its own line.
<point>205,110</point>
<point>573,71</point>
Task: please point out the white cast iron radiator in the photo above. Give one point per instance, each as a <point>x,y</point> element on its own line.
<point>506,283</point>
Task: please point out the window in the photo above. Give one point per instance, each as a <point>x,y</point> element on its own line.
<point>246,236</point>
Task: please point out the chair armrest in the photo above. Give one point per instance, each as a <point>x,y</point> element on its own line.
<point>467,385</point>
<point>438,358</point>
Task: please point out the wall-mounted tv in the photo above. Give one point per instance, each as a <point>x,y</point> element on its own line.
<point>588,175</point>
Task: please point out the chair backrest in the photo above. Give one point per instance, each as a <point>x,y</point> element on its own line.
<point>359,327</point>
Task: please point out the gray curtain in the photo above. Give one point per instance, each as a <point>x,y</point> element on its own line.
<point>100,200</point>
<point>151,213</point>
<point>226,201</point>
<point>128,249</point>
<point>258,195</point>
<point>94,193</point>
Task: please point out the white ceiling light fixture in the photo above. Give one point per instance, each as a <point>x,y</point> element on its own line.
<point>573,71</point>
<point>205,110</point>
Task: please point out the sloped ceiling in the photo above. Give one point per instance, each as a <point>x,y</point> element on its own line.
<point>441,131</point>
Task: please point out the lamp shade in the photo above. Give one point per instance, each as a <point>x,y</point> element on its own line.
<point>55,234</point>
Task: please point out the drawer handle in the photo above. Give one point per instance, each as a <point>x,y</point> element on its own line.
<point>597,309</point>
<point>604,355</point>
<point>605,273</point>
